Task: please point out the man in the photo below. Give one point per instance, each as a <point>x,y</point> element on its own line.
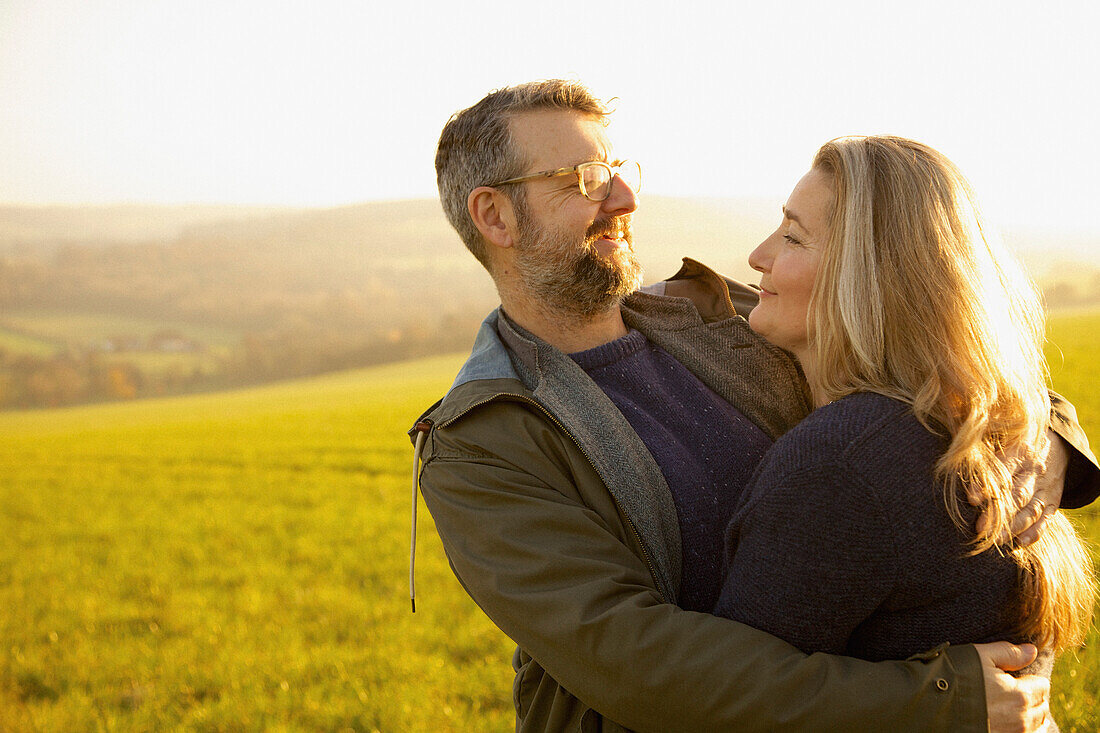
<point>584,513</point>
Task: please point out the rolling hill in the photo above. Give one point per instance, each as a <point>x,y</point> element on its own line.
<point>198,297</point>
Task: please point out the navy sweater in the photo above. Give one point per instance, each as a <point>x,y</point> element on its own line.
<point>843,544</point>
<point>706,449</point>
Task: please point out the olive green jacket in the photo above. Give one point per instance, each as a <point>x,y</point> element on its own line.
<point>559,524</point>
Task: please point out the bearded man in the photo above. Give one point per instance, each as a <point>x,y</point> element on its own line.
<point>582,469</point>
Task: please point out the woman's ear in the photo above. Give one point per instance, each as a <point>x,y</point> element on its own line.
<point>492,214</point>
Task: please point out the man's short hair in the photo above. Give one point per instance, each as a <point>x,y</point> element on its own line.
<point>476,147</point>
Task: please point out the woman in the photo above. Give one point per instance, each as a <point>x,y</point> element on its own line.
<point>921,342</point>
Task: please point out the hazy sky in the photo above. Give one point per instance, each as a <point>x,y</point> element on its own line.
<point>327,103</point>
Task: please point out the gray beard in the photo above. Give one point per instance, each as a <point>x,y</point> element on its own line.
<point>572,279</point>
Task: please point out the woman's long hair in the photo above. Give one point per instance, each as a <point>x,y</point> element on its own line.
<point>915,301</point>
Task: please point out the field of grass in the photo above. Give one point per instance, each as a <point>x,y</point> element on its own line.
<point>1073,356</point>
<point>238,562</point>
<point>234,562</point>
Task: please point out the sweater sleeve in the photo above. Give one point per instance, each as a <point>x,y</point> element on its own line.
<point>811,556</point>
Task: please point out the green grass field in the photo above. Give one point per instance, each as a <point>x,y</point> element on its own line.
<point>238,562</point>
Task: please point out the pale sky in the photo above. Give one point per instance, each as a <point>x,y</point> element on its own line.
<point>330,103</point>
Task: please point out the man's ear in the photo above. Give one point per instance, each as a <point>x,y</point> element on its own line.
<point>492,213</point>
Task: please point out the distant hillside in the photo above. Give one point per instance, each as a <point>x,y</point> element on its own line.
<point>185,298</point>
<point>719,231</point>
<point>46,227</point>
<point>248,267</point>
<point>402,230</point>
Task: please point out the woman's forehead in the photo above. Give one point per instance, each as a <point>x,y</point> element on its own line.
<point>811,202</point>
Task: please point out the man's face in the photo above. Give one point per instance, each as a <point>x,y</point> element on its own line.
<point>573,255</point>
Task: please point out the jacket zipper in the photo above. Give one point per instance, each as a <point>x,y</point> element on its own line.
<point>622,512</point>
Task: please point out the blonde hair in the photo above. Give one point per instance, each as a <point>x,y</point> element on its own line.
<point>915,301</point>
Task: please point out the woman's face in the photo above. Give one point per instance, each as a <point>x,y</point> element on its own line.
<point>788,262</point>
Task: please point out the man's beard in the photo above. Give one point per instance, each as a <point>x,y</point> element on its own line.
<point>570,277</point>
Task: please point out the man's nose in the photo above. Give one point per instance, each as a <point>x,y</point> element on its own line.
<point>621,199</point>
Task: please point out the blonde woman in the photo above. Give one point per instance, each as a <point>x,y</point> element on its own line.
<point>920,340</point>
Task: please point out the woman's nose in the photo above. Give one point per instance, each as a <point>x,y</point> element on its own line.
<point>760,258</point>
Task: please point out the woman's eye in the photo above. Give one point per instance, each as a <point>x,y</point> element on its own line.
<point>791,240</point>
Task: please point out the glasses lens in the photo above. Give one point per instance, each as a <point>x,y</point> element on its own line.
<point>597,181</point>
<point>631,173</point>
<point>596,178</point>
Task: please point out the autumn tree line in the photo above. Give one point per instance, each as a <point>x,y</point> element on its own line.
<point>289,312</point>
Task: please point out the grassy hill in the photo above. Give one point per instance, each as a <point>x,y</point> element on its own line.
<point>238,561</point>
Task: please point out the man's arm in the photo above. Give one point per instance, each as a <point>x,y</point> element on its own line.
<point>547,568</point>
<point>1082,473</point>
<point>1068,477</point>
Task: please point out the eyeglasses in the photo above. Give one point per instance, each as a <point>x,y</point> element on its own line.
<point>594,177</point>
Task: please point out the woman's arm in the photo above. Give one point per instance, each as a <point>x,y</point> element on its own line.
<point>809,558</point>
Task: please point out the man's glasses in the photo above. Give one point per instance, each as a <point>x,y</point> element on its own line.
<point>594,177</point>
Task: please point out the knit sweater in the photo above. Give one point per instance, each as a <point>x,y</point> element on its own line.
<point>706,449</point>
<point>843,544</point>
